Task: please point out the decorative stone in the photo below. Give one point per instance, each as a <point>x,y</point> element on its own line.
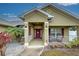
<point>57,45</point>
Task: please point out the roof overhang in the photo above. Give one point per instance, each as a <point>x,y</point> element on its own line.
<point>61,9</point>
<point>39,10</point>
<point>47,14</point>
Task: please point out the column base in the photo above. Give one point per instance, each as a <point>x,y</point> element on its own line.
<point>26,44</point>
<point>46,44</point>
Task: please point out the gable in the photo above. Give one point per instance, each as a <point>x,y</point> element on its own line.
<point>35,17</point>
<point>60,18</point>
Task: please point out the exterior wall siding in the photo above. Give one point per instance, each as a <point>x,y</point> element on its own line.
<point>35,17</point>
<point>66,34</point>
<point>60,19</point>
<point>2,28</point>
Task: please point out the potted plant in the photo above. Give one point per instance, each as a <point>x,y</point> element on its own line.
<point>4,39</point>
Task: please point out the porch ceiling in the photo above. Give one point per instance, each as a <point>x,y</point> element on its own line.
<point>36,23</point>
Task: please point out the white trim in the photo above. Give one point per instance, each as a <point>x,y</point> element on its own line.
<point>26,44</point>
<point>59,8</point>
<point>26,34</point>
<point>47,14</point>
<point>35,46</point>
<point>53,5</point>
<point>28,12</point>
<point>46,33</point>
<point>39,10</point>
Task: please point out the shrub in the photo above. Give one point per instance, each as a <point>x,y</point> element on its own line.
<point>4,39</point>
<point>15,32</point>
<point>73,44</point>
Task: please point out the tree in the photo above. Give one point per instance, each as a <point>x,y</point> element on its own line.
<point>15,32</point>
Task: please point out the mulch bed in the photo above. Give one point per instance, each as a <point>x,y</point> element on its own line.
<point>60,52</point>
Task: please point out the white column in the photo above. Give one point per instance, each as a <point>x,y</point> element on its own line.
<point>46,33</point>
<point>77,32</point>
<point>26,34</point>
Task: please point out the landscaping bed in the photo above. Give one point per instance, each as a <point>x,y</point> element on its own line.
<point>61,49</point>
<point>61,52</point>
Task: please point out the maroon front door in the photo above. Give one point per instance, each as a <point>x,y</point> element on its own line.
<point>37,33</point>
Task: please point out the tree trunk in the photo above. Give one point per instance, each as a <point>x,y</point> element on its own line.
<point>2,49</point>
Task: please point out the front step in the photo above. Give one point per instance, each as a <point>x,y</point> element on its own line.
<point>38,46</point>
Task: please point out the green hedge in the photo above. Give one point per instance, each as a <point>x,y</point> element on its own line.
<point>73,44</point>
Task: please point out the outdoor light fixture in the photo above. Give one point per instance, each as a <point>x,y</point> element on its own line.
<point>25,24</point>
<point>50,18</point>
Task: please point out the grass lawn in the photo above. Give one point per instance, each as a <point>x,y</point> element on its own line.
<point>61,52</point>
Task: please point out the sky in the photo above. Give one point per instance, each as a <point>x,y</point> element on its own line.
<point>73,7</point>
<point>16,9</point>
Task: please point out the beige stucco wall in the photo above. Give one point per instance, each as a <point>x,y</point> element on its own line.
<point>35,17</point>
<point>61,19</point>
<point>2,28</point>
<point>66,34</point>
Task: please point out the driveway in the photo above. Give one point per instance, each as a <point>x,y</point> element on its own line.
<point>31,52</point>
<point>14,49</point>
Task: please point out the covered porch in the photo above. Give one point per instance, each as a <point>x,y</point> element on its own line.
<point>37,42</point>
<point>36,33</point>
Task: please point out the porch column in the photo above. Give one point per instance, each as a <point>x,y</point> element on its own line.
<point>26,34</point>
<point>46,33</point>
<point>78,32</point>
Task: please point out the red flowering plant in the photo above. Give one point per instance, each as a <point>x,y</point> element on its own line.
<point>4,37</point>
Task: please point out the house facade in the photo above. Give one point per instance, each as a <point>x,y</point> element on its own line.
<point>50,24</point>
<point>3,25</point>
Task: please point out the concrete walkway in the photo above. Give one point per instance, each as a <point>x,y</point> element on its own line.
<point>31,52</point>
<point>13,49</point>
<point>16,49</point>
<point>36,42</point>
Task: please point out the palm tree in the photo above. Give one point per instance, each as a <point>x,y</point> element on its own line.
<point>15,32</point>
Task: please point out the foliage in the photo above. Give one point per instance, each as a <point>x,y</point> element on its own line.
<point>15,32</point>
<point>4,38</point>
<point>73,44</point>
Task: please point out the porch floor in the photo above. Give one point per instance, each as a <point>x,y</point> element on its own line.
<point>36,42</point>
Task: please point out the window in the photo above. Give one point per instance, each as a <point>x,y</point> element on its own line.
<point>72,33</point>
<point>56,34</point>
